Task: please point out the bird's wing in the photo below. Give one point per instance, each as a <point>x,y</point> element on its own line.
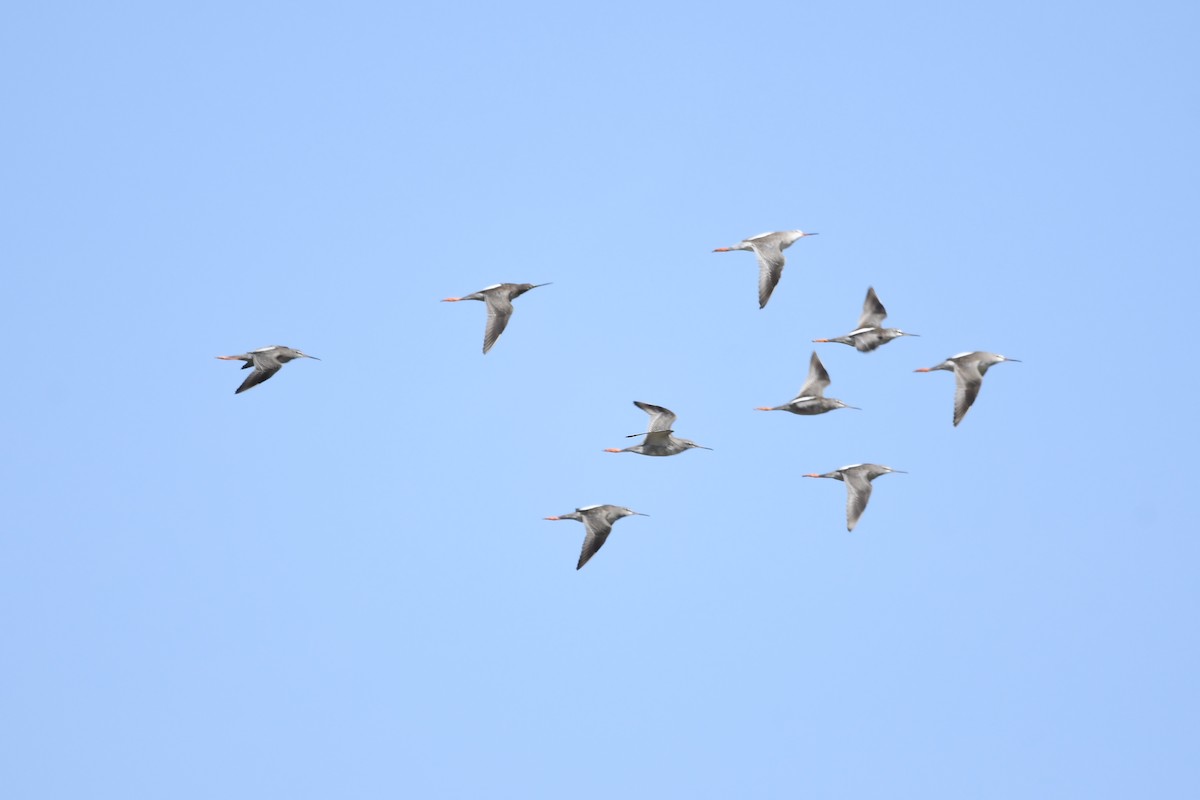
<point>661,418</point>
<point>967,381</point>
<point>770,267</point>
<point>598,529</point>
<point>873,312</point>
<point>858,492</point>
<point>817,380</point>
<point>499,310</point>
<point>266,359</point>
<point>264,367</point>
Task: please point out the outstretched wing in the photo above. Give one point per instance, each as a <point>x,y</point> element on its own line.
<point>873,312</point>
<point>967,382</point>
<point>264,365</point>
<point>858,492</point>
<point>770,267</point>
<point>598,530</point>
<point>661,419</point>
<point>499,310</point>
<point>817,380</point>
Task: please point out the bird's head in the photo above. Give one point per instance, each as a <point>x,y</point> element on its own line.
<point>525,287</point>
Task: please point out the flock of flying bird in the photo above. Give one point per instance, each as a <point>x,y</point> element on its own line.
<point>968,368</point>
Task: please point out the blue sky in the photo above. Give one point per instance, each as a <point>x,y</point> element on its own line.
<point>340,583</point>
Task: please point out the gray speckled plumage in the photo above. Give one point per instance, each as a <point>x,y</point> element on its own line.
<point>768,247</point>
<point>597,522</point>
<point>857,478</point>
<point>266,362</point>
<point>659,440</point>
<point>811,399</point>
<point>868,335</point>
<point>499,299</point>
<point>968,369</point>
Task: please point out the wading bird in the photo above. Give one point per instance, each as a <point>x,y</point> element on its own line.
<point>811,399</point>
<point>858,479</point>
<point>769,248</point>
<point>266,362</point>
<point>868,335</point>
<point>598,522</point>
<point>968,369</point>
<point>499,297</point>
<point>658,441</point>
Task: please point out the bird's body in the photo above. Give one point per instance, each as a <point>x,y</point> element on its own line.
<point>811,398</point>
<point>266,362</point>
<point>598,522</point>
<point>659,440</point>
<point>769,248</point>
<point>857,478</point>
<point>969,369</point>
<point>869,333</point>
<point>499,297</point>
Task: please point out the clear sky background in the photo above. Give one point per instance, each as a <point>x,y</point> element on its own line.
<point>339,584</point>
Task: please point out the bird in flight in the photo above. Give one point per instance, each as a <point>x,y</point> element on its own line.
<point>499,297</point>
<point>858,479</point>
<point>769,248</point>
<point>968,369</point>
<point>598,522</point>
<point>266,362</point>
<point>868,334</point>
<point>659,440</point>
<point>811,399</point>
